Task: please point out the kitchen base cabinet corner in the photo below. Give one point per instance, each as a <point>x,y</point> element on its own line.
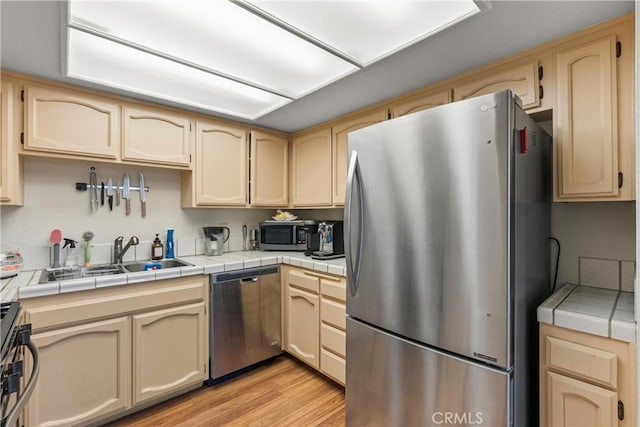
<point>586,380</point>
<point>105,353</point>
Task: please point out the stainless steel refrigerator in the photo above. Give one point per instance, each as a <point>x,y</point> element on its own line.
<point>447,216</point>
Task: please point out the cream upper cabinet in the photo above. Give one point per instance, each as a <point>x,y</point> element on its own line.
<point>68,122</point>
<point>11,165</point>
<point>85,373</point>
<point>160,368</point>
<point>521,79</point>
<point>156,136</point>
<point>269,170</point>
<point>311,168</point>
<point>584,379</point>
<point>221,161</point>
<point>593,118</point>
<point>419,102</point>
<point>303,310</point>
<point>341,131</point>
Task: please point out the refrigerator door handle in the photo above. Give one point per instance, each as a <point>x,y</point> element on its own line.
<point>353,266</point>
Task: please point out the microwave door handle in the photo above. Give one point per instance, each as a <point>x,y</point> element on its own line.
<point>354,183</point>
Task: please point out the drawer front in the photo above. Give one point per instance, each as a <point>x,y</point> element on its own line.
<point>301,280</point>
<point>333,339</point>
<point>333,313</point>
<point>582,361</point>
<point>334,289</point>
<point>333,365</point>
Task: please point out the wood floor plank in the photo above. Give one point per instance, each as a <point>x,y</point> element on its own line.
<point>284,392</point>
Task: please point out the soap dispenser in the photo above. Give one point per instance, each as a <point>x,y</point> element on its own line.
<point>75,257</point>
<point>157,249</point>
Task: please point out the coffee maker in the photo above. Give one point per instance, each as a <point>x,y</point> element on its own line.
<point>331,240</point>
<point>311,236</point>
<point>214,239</point>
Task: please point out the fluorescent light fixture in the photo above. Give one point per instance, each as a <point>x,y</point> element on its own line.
<point>219,36</point>
<point>367,31</point>
<point>102,61</point>
<point>242,58</point>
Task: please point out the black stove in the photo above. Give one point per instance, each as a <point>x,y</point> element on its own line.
<point>9,313</point>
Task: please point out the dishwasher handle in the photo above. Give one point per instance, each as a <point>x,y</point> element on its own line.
<point>249,279</point>
<point>241,275</point>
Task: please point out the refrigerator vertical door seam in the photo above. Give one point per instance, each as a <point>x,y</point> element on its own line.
<point>353,267</point>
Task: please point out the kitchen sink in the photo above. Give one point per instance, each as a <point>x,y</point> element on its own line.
<point>67,273</point>
<point>167,263</point>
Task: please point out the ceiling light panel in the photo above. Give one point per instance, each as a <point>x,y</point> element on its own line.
<point>219,36</point>
<point>102,61</point>
<point>369,30</point>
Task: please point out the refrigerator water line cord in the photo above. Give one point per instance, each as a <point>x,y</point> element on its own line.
<point>555,275</point>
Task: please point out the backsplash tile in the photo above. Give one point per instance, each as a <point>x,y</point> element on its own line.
<point>186,247</point>
<point>143,251</point>
<point>35,258</point>
<point>627,274</point>
<point>102,253</point>
<point>603,273</point>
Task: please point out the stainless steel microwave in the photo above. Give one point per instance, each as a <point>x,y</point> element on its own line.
<point>284,235</point>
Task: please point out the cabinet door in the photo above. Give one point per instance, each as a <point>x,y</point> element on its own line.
<point>221,165</point>
<point>170,350</point>
<point>419,102</point>
<point>311,169</point>
<point>85,373</point>
<point>576,403</point>
<point>303,326</point>
<point>585,120</point>
<point>11,165</point>
<point>269,170</point>
<point>66,122</point>
<point>154,136</point>
<point>340,133</point>
<point>521,79</point>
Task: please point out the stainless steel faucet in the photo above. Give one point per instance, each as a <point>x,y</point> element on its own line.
<point>119,251</point>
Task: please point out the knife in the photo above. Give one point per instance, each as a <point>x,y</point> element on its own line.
<point>117,194</point>
<point>125,195</point>
<point>143,196</point>
<point>102,194</point>
<point>110,193</point>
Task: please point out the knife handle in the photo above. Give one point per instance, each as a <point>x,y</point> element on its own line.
<point>117,197</point>
<point>110,198</point>
<point>127,206</point>
<point>144,209</point>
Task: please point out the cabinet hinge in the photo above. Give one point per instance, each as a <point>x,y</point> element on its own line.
<point>618,49</point>
<point>389,114</point>
<point>620,179</point>
<point>22,95</point>
<point>189,158</point>
<point>620,410</point>
<point>22,138</point>
<point>190,127</point>
<point>540,91</point>
<point>540,72</point>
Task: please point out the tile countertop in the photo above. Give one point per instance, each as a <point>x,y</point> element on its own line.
<point>604,312</point>
<point>25,284</point>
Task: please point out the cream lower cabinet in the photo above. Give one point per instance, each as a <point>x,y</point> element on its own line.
<point>340,155</point>
<point>586,380</point>
<point>303,310</point>
<point>314,320</point>
<point>156,136</point>
<point>310,168</point>
<point>165,358</point>
<point>11,165</point>
<point>269,184</point>
<point>593,117</point>
<point>333,328</point>
<point>70,123</point>
<point>85,374</point>
<point>106,352</point>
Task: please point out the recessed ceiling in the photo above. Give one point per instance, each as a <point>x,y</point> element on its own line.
<point>237,57</point>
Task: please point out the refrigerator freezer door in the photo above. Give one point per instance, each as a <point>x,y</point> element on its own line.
<point>427,226</point>
<point>394,382</point>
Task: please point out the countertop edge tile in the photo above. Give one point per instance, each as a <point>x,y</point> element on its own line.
<point>77,285</point>
<point>582,322</point>
<point>623,330</point>
<point>44,289</point>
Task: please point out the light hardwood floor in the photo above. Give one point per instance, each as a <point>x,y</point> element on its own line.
<point>283,392</point>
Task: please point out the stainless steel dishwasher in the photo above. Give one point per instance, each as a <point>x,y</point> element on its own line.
<point>245,319</point>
